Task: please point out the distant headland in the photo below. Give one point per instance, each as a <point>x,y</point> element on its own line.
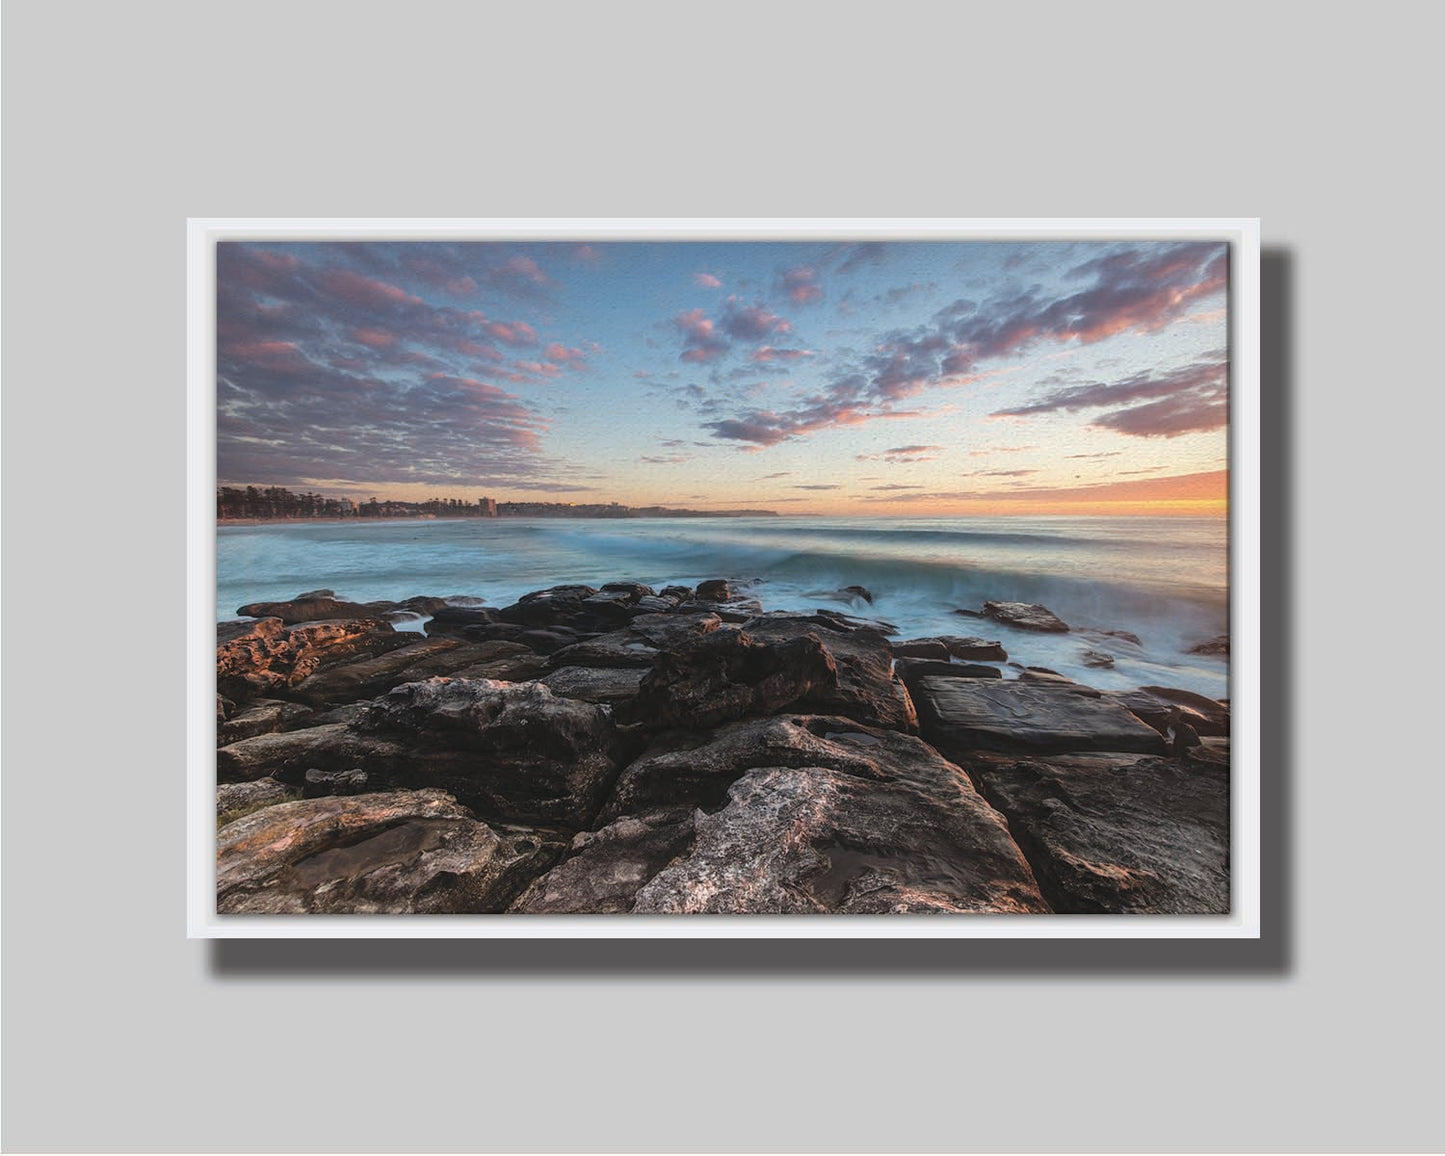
<point>252,504</point>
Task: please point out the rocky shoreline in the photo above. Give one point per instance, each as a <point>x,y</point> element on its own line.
<point>625,750</point>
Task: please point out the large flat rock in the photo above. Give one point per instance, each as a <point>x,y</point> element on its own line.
<point>1116,832</point>
<point>960,715</point>
<point>402,852</point>
<point>794,814</point>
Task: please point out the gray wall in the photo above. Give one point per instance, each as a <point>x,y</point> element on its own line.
<point>123,119</point>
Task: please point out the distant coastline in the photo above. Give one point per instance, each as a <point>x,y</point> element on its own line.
<point>368,519</point>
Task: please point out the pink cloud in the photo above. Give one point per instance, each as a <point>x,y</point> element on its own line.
<point>565,355</point>
<point>373,338</point>
<point>356,289</point>
<point>800,284</point>
<point>768,353</point>
<point>706,281</point>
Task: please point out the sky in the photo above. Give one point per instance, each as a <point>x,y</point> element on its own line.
<point>851,377</point>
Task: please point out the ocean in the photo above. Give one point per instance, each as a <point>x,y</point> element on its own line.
<point>1162,579</point>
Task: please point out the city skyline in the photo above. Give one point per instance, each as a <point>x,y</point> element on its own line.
<point>895,378</point>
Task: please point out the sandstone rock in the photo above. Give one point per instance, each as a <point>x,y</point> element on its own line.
<point>909,669</point>
<point>866,689</point>
<point>595,684</point>
<point>1116,832</point>
<point>512,752</point>
<point>724,675</point>
<point>734,610</point>
<point>1206,716</point>
<point>811,839</point>
<point>716,590</point>
<point>307,609</point>
<point>657,604</point>
<point>452,620</point>
<point>1096,658</point>
<point>969,649</point>
<point>809,813</point>
<point>681,593</point>
<point>290,754</point>
<point>960,715</point>
<point>665,631</point>
<point>557,605</point>
<point>263,716</point>
<point>1026,616</point>
<point>634,590</point>
<point>422,659</point>
<point>389,853</point>
<point>621,648</point>
<point>608,867</point>
<point>1054,678</point>
<point>236,799</point>
<point>270,659</point>
<point>921,648</point>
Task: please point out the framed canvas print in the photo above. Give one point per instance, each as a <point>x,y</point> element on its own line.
<point>724,578</point>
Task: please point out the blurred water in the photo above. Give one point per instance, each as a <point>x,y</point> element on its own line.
<point>1163,579</point>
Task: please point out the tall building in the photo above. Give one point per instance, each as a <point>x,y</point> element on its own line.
<point>488,507</point>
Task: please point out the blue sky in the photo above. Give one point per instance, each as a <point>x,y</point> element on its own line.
<point>848,377</point>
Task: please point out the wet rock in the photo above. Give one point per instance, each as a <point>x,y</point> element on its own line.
<point>1096,658</point>
<point>959,715</point>
<point>608,867</point>
<point>724,675</point>
<point>921,648</point>
<point>512,752</point>
<point>621,648</point>
<point>451,621</point>
<point>657,604</point>
<point>734,610</point>
<point>546,641</point>
<point>305,608</point>
<point>969,613</point>
<point>595,684</point>
<point>909,669</point>
<point>407,852</point>
<point>369,677</point>
<point>1116,832</point>
<point>668,630</point>
<point>233,800</point>
<point>860,592</point>
<point>290,754</point>
<point>557,605</point>
<point>1217,647</point>
<point>680,593</point>
<point>944,646</point>
<point>1054,678</point>
<point>1026,616</point>
<point>1158,710</point>
<point>263,716</point>
<point>716,590</point>
<point>866,689</point>
<point>634,590</point>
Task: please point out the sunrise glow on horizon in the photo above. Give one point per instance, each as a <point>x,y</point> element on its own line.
<point>900,379</point>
